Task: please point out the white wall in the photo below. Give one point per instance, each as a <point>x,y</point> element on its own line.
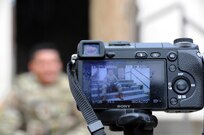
<point>161,22</point>
<point>6,45</point>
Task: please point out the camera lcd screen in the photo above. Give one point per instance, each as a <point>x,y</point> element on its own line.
<point>91,49</point>
<point>139,83</point>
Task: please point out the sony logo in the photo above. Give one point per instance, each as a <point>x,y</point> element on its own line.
<point>123,106</point>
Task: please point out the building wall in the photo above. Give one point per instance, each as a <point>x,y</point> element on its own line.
<point>6,46</point>
<point>164,21</point>
<point>113,20</point>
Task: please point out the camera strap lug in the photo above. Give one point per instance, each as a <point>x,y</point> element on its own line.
<point>74,57</point>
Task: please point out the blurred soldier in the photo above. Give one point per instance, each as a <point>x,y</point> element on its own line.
<point>41,102</point>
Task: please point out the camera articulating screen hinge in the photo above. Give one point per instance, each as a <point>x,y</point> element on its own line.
<point>202,57</point>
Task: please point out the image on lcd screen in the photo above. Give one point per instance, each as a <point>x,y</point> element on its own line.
<point>91,49</point>
<point>119,82</point>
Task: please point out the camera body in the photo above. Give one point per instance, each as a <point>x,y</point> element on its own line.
<point>153,76</point>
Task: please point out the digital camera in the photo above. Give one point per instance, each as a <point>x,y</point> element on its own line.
<point>153,76</point>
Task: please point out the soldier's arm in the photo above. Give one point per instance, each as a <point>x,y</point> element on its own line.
<point>81,127</point>
<point>10,117</point>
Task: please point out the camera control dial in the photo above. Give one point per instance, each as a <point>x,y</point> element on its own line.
<point>183,42</point>
<point>181,86</point>
<point>178,40</point>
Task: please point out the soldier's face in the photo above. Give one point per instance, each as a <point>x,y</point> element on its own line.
<point>46,65</point>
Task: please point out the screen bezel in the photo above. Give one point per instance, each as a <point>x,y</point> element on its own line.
<point>150,105</point>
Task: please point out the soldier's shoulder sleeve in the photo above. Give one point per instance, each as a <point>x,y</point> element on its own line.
<point>20,85</point>
<point>10,115</point>
<point>10,121</point>
<point>64,80</point>
<point>24,79</point>
<point>81,129</point>
<point>71,99</point>
<point>64,84</point>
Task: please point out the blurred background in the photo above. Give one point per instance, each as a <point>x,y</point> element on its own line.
<point>24,23</point>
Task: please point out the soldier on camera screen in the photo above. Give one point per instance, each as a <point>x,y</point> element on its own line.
<point>111,84</point>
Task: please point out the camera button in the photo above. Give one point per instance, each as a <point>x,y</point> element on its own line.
<point>110,54</point>
<point>155,54</point>
<point>172,56</point>
<point>172,68</point>
<point>173,101</point>
<point>141,55</point>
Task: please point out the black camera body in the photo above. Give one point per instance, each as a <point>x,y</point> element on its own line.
<point>146,76</point>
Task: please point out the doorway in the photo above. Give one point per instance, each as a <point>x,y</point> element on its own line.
<point>62,22</point>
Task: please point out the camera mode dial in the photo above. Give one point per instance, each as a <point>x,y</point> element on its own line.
<point>183,42</point>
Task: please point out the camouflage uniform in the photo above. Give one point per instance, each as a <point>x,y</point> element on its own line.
<point>36,109</point>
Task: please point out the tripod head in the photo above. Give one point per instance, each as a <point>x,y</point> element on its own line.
<point>130,121</point>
